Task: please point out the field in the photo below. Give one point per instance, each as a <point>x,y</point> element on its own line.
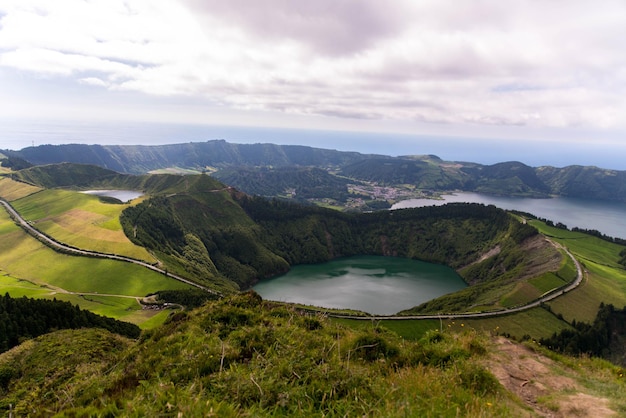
<point>605,279</point>
<point>11,190</point>
<point>81,221</point>
<point>29,268</point>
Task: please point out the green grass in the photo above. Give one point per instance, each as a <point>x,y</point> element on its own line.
<point>547,282</point>
<point>407,328</point>
<point>11,189</point>
<point>536,322</point>
<point>238,357</point>
<point>18,288</point>
<point>585,246</point>
<point>605,279</point>
<point>27,265</point>
<point>80,220</point>
<point>603,284</point>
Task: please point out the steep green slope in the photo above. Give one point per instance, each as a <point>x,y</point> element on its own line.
<point>241,356</point>
<point>63,175</point>
<point>244,357</point>
<point>509,178</point>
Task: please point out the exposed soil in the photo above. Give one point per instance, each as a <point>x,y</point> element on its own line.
<point>539,383</point>
<point>543,256</point>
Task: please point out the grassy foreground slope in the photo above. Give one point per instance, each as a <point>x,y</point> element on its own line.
<point>241,356</point>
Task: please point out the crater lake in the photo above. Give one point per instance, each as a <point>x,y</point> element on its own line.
<point>374,284</point>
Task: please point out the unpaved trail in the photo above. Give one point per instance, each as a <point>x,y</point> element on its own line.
<point>542,384</point>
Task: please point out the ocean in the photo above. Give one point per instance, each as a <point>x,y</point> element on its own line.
<point>15,135</point>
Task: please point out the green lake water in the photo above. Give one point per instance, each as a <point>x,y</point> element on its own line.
<point>373,284</point>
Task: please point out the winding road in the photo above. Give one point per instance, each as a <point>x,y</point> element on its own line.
<point>553,294</point>
<point>52,243</point>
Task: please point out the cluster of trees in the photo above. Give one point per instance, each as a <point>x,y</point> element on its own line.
<point>189,298</point>
<point>15,163</point>
<point>25,318</point>
<point>603,338</point>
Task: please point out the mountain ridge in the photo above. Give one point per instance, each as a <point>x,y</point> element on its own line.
<point>421,172</point>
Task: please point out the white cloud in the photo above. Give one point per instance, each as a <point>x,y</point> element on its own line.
<point>527,63</point>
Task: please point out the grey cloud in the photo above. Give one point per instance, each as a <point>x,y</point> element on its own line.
<point>331,27</point>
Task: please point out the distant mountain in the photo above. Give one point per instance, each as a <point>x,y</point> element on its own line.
<point>138,159</point>
<point>307,172</point>
<point>586,182</point>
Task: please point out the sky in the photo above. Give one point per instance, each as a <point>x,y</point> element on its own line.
<point>519,72</point>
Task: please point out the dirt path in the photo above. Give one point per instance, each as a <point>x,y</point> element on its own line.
<point>542,384</point>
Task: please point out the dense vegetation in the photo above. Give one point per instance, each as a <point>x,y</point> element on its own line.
<point>299,183</point>
<point>241,356</point>
<point>189,298</point>
<point>224,237</point>
<point>422,172</point>
<point>14,163</point>
<point>605,337</point>
<point>25,318</point>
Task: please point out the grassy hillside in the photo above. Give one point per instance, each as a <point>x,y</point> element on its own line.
<point>606,278</point>
<point>106,287</point>
<point>244,357</point>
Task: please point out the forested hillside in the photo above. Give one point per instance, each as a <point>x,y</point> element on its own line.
<point>299,183</point>
<point>224,236</point>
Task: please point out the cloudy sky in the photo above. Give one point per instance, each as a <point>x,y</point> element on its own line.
<point>523,69</point>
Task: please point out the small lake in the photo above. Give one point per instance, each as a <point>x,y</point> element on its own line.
<point>604,216</point>
<point>374,284</point>
<point>122,195</point>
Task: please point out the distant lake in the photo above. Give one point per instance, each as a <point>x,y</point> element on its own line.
<point>374,284</point>
<point>604,216</point>
<point>122,195</point>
